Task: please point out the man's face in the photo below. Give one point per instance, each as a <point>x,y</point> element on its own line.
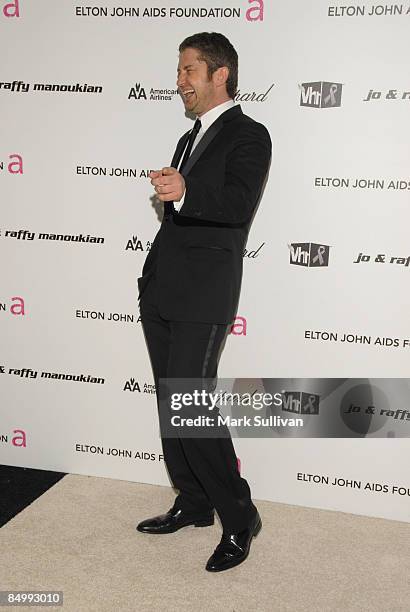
<point>199,92</point>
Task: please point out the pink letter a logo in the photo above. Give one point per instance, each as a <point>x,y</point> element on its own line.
<point>238,327</point>
<point>12,9</point>
<point>18,307</point>
<point>19,440</point>
<point>18,164</point>
<point>255,13</point>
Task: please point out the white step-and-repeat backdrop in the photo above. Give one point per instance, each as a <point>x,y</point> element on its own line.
<point>88,105</point>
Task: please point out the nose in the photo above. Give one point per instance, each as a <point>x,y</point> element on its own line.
<point>180,80</point>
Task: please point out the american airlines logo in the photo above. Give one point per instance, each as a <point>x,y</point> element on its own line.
<point>132,384</point>
<point>309,254</point>
<point>135,244</point>
<point>321,94</point>
<point>139,92</point>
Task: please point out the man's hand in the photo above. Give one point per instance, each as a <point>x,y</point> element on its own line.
<point>169,184</point>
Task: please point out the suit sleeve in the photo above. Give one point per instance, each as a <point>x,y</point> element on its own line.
<point>232,201</point>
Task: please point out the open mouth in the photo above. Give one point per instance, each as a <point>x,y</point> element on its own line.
<point>188,94</point>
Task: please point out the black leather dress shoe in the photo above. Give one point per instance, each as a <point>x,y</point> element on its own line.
<point>234,547</point>
<point>173,520</point>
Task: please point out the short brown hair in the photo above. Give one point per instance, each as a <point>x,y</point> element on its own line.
<point>216,51</point>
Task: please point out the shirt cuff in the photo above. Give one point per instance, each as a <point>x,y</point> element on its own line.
<point>178,205</point>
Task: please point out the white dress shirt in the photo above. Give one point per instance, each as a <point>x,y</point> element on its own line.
<point>207,119</point>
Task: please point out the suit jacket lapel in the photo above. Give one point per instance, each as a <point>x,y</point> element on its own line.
<point>206,139</point>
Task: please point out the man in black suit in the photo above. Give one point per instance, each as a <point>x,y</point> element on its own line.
<point>191,280</point>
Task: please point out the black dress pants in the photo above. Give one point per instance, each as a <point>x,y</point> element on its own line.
<point>204,470</point>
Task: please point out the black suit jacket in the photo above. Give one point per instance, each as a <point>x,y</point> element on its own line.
<point>197,254</point>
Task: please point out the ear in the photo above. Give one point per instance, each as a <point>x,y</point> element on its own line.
<point>221,75</point>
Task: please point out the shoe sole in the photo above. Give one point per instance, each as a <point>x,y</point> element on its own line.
<point>257,529</point>
<point>206,523</point>
<point>200,523</point>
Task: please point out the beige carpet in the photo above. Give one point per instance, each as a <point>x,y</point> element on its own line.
<point>80,538</point>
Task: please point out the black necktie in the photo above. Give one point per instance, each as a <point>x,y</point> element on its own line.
<point>168,206</point>
<point>191,140</point>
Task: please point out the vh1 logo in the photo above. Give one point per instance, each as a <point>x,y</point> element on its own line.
<point>321,94</point>
<point>11,8</point>
<point>309,254</point>
<point>300,402</point>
